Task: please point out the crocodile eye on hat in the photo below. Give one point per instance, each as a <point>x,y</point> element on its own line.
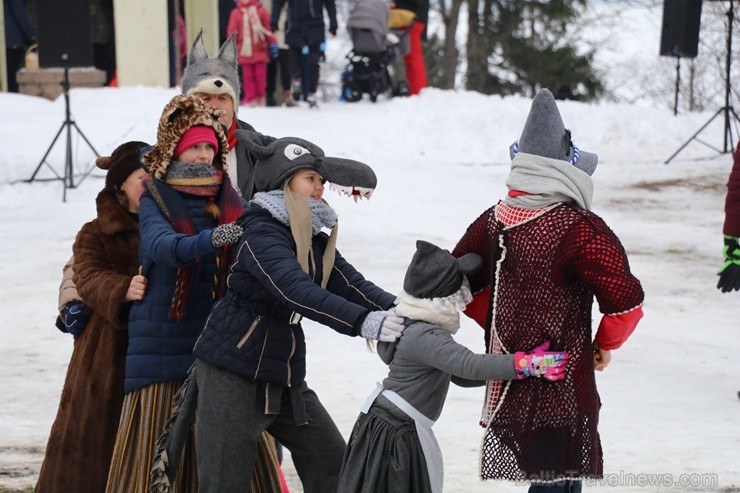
<point>435,273</point>
<point>544,134</point>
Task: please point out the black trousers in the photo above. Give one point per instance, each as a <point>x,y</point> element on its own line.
<point>305,67</point>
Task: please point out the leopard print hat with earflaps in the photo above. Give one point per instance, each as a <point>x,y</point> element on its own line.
<point>181,113</point>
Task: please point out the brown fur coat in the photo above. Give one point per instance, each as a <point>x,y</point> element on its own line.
<point>81,442</point>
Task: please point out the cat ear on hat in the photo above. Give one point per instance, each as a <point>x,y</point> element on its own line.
<point>198,49</point>
<point>469,263</point>
<point>228,50</point>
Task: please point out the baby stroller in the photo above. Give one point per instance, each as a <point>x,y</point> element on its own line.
<point>376,58</point>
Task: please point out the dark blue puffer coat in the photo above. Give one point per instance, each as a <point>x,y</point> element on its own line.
<point>250,332</point>
<point>160,348</point>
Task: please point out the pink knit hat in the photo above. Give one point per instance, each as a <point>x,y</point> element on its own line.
<point>196,135</point>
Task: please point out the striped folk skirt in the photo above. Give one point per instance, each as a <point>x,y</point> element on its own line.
<point>143,418</point>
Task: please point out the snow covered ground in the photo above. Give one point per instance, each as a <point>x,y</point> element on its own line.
<point>671,417</point>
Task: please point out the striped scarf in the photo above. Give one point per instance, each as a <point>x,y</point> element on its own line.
<point>254,33</point>
<point>214,184</point>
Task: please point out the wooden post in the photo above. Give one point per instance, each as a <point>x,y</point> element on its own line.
<point>142,43</point>
<point>203,14</point>
<point>3,61</point>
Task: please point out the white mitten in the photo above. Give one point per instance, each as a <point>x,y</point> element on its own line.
<point>382,326</point>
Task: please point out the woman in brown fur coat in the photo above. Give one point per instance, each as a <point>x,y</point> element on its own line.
<point>106,273</point>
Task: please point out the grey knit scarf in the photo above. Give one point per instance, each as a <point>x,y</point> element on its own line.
<point>322,215</point>
<point>547,181</point>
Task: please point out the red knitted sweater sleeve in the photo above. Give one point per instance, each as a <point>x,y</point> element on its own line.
<point>477,239</point>
<point>478,308</point>
<point>615,329</point>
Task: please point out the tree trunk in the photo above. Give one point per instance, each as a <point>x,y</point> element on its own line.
<point>450,53</point>
<point>477,56</point>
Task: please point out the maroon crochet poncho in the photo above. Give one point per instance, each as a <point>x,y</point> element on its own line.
<point>544,273</point>
<point>732,200</point>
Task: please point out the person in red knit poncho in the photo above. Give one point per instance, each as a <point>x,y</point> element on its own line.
<point>729,273</point>
<point>546,256</point>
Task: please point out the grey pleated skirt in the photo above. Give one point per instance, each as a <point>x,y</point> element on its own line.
<point>384,454</point>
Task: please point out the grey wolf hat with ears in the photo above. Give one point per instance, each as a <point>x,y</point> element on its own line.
<point>435,273</point>
<point>545,135</point>
<point>212,75</point>
<point>277,161</point>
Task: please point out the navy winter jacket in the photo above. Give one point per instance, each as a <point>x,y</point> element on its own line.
<point>305,23</point>
<point>252,330</point>
<point>160,348</point>
<point>18,33</point>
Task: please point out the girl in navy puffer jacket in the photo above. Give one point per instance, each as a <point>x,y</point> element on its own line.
<point>251,355</point>
<point>187,226</point>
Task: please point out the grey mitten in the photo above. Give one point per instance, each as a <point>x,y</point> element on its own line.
<point>382,326</point>
<point>226,234</point>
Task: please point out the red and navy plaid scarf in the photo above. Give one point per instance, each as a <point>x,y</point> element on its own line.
<point>172,205</point>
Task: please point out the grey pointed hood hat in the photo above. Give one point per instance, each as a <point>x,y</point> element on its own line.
<point>544,134</point>
<point>435,273</point>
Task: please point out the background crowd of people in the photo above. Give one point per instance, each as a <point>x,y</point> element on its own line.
<point>277,41</point>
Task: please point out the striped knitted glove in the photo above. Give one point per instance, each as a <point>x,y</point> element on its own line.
<point>729,274</point>
<point>226,234</point>
<point>541,363</point>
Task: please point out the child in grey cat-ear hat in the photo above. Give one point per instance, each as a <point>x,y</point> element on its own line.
<point>392,442</point>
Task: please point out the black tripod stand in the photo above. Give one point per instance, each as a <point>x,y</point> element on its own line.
<point>68,178</point>
<point>727,110</point>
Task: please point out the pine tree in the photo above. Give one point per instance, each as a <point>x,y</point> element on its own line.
<point>518,46</point>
